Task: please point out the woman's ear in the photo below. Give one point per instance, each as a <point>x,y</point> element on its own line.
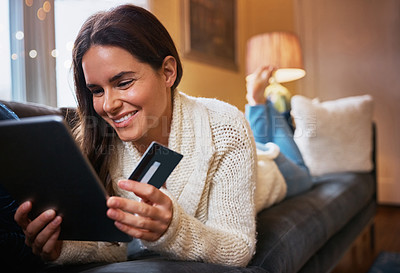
<point>169,70</point>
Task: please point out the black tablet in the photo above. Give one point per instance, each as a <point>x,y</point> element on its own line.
<point>40,161</point>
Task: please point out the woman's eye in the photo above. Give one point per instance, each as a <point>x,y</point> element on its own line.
<point>96,92</point>
<point>125,83</point>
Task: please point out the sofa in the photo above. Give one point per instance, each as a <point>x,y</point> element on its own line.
<point>306,233</point>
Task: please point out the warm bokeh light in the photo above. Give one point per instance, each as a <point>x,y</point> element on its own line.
<point>29,3</point>
<point>46,6</point>
<point>14,56</point>
<point>41,14</point>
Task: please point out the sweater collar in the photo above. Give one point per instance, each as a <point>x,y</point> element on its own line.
<point>191,125</point>
<point>191,136</point>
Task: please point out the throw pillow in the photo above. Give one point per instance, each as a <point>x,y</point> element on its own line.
<point>334,136</point>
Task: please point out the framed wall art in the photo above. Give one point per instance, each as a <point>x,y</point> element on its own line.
<point>209,32</point>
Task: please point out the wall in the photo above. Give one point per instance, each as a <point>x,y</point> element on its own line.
<point>253,17</point>
<point>352,48</point>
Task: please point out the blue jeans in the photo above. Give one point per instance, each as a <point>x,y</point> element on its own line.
<point>13,250</point>
<point>268,125</point>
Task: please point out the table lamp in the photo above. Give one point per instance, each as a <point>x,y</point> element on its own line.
<point>282,51</point>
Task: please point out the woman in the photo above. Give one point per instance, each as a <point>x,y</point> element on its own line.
<point>126,70</point>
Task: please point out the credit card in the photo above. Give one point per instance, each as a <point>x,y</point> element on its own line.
<point>156,164</point>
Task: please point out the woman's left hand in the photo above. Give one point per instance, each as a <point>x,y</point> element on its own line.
<point>147,220</point>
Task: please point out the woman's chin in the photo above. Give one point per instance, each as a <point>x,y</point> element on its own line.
<point>129,137</point>
<point>126,137</point>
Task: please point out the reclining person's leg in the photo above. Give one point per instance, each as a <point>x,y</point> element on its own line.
<point>297,177</point>
<point>269,125</point>
<point>282,135</point>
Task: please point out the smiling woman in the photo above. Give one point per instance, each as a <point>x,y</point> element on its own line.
<point>129,95</point>
<point>126,70</point>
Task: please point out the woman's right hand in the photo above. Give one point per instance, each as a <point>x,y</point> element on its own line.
<point>41,234</point>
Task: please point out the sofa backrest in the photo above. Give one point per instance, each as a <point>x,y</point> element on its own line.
<point>29,109</point>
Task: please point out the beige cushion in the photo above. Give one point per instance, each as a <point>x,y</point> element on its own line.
<point>334,136</point>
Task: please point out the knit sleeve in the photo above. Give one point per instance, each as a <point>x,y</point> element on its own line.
<point>79,252</point>
<point>227,234</point>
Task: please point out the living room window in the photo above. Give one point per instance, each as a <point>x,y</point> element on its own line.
<point>5,58</point>
<point>36,41</point>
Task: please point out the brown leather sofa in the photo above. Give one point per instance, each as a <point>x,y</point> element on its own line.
<point>307,233</point>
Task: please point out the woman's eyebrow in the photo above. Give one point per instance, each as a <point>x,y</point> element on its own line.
<point>89,85</point>
<point>119,75</point>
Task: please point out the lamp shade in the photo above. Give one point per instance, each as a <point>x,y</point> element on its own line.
<point>278,49</point>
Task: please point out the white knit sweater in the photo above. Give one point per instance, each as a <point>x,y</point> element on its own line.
<point>212,188</point>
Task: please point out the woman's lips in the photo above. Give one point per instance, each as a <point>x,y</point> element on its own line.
<point>124,121</point>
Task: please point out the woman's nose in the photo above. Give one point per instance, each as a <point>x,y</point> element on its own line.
<point>111,101</point>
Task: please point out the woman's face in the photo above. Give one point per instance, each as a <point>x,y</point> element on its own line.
<point>131,96</point>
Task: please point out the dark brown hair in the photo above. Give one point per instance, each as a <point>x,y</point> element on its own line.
<point>137,31</point>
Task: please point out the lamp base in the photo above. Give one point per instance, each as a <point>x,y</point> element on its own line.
<point>279,96</point>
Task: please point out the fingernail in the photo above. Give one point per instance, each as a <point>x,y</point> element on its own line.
<point>25,205</point>
<point>112,202</point>
<point>123,183</point>
<point>57,221</point>
<point>112,213</point>
<point>50,213</point>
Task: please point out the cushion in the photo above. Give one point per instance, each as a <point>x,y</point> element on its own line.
<point>334,136</point>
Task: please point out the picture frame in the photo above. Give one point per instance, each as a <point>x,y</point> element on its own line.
<point>209,32</point>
